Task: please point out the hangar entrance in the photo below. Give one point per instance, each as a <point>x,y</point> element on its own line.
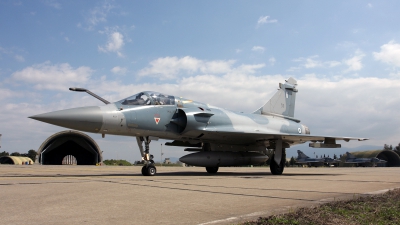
<point>69,160</point>
<point>391,157</point>
<point>69,148</point>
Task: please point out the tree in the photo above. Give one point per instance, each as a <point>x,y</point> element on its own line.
<point>292,161</point>
<point>4,153</point>
<point>334,156</point>
<point>397,147</point>
<point>387,147</point>
<point>15,154</point>
<point>32,154</point>
<point>117,162</point>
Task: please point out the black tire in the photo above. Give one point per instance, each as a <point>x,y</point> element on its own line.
<point>212,170</point>
<point>144,171</point>
<point>151,170</point>
<point>275,168</point>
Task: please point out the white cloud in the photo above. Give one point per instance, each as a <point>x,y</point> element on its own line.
<point>264,20</point>
<point>114,43</point>
<point>332,63</point>
<point>369,5</point>
<point>272,61</point>
<point>354,63</point>
<point>170,67</point>
<point>97,15</point>
<point>7,93</point>
<point>53,77</point>
<point>53,3</point>
<point>66,39</point>
<point>119,70</point>
<point>314,62</point>
<point>19,58</point>
<point>258,49</point>
<point>389,54</point>
<point>11,53</point>
<point>311,63</point>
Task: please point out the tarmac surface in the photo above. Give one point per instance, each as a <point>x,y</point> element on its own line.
<point>176,195</point>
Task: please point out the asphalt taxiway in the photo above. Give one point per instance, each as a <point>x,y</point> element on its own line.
<point>176,195</point>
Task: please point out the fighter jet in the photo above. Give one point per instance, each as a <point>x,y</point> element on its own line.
<point>305,160</point>
<point>219,137</point>
<point>350,158</point>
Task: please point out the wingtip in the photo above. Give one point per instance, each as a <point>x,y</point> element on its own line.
<point>363,139</point>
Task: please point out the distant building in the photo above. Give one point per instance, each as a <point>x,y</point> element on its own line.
<point>16,160</point>
<point>167,161</point>
<point>69,147</point>
<point>391,157</point>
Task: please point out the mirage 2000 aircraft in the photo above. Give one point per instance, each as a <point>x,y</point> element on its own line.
<point>218,136</point>
<point>303,159</point>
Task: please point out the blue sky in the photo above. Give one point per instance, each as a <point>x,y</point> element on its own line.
<point>344,54</point>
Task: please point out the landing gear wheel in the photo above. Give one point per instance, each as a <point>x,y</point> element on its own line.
<point>212,170</point>
<point>275,168</point>
<point>149,170</point>
<point>144,171</point>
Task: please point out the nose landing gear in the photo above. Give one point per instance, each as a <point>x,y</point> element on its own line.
<point>148,169</point>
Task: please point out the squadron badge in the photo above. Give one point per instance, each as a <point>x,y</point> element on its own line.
<point>157,118</point>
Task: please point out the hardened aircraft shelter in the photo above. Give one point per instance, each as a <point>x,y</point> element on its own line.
<point>69,147</point>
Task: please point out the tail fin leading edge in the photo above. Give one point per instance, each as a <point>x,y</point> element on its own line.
<point>350,156</point>
<point>283,102</point>
<point>301,155</point>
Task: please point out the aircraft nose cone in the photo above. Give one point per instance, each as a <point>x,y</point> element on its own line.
<point>88,119</point>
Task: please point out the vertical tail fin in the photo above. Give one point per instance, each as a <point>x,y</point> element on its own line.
<point>301,155</point>
<point>283,102</point>
<point>350,156</point>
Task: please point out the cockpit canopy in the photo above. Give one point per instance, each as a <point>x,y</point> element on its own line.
<point>148,98</point>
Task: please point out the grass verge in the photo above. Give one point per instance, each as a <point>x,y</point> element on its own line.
<point>374,209</point>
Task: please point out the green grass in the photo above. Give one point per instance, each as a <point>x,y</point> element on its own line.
<point>376,209</point>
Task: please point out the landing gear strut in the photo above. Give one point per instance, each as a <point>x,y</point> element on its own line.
<point>148,169</point>
<point>277,169</point>
<point>278,159</point>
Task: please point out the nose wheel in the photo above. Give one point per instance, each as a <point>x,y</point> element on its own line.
<point>148,169</point>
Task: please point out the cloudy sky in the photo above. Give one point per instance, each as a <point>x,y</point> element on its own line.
<point>344,54</point>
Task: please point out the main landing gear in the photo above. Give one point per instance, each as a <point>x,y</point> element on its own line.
<point>212,170</point>
<point>148,169</point>
<point>278,159</point>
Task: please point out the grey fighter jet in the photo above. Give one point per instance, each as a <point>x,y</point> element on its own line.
<point>305,160</point>
<point>219,137</point>
<point>351,159</point>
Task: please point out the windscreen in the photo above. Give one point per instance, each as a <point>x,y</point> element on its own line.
<point>149,98</point>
